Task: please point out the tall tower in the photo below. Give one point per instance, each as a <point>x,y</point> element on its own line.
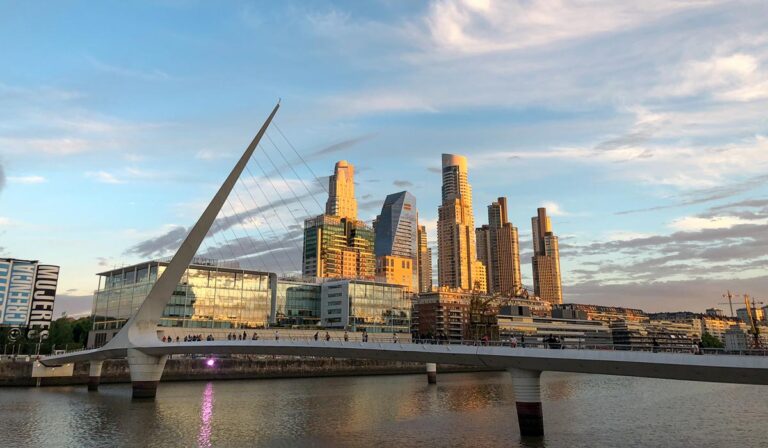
<point>341,191</point>
<point>498,248</point>
<point>546,259</point>
<point>456,227</point>
<point>397,237</point>
<point>337,244</point>
<point>425,262</point>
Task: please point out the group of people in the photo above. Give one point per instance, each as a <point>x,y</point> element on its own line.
<point>239,337</point>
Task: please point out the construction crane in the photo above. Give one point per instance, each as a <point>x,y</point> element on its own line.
<point>751,311</point>
<point>730,301</point>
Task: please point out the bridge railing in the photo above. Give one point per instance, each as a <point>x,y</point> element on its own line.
<point>357,338</point>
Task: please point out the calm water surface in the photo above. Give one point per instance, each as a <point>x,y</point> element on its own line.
<point>464,410</point>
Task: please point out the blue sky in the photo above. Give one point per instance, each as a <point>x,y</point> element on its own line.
<point>641,126</point>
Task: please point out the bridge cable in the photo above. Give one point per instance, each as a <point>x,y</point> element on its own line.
<point>322,185</point>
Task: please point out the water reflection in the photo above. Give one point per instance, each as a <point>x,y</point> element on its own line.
<point>206,414</point>
<point>463,410</point>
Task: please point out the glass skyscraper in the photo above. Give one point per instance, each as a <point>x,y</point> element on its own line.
<point>397,236</point>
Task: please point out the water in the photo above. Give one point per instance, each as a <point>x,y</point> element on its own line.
<point>464,410</point>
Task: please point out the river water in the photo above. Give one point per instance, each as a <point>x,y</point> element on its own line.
<point>463,410</point>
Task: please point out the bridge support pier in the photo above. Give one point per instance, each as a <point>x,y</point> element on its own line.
<point>146,371</point>
<point>431,373</point>
<point>94,375</point>
<point>527,387</point>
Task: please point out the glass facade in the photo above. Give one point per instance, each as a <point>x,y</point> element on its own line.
<point>206,297</point>
<point>296,304</point>
<point>359,305</point>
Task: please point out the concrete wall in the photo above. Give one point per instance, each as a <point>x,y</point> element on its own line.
<point>19,373</point>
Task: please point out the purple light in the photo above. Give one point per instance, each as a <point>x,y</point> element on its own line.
<point>210,362</point>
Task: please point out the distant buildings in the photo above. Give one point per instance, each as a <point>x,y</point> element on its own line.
<point>546,259</point>
<point>456,250</point>
<point>498,249</point>
<point>424,262</point>
<point>397,241</point>
<point>337,244</point>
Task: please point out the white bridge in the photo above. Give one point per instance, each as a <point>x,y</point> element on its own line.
<point>138,341</point>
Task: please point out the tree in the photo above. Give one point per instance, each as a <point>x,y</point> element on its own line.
<point>709,341</point>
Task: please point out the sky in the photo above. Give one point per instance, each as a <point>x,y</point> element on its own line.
<point>641,126</point>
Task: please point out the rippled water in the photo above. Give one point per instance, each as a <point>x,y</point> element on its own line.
<point>471,410</point>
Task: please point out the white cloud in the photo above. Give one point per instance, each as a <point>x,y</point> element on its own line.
<point>103,177</point>
<point>211,154</point>
<point>463,27</point>
<point>734,77</point>
<point>554,209</point>
<point>26,179</point>
<point>695,223</point>
<point>55,146</point>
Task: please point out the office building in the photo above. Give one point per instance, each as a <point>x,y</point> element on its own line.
<point>295,304</point>
<point>357,305</point>
<point>518,321</point>
<point>498,248</point>
<point>211,295</point>
<point>337,247</point>
<point>341,192</point>
<point>424,262</point>
<point>605,313</point>
<point>396,271</point>
<point>456,250</point>
<point>337,244</point>
<point>546,260</point>
<point>397,240</point>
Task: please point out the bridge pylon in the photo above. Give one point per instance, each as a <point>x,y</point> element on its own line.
<point>527,387</point>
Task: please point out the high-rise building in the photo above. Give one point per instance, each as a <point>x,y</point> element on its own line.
<point>341,191</point>
<point>498,249</point>
<point>424,262</point>
<point>338,248</point>
<point>546,259</point>
<point>337,244</point>
<point>456,250</point>
<point>397,238</point>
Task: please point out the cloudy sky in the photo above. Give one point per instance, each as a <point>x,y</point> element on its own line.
<point>642,126</point>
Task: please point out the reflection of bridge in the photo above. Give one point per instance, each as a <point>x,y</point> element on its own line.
<point>138,342</point>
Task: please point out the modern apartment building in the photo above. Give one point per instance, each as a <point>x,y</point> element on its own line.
<point>456,249</point>
<point>337,244</point>
<point>498,248</point>
<point>546,260</point>
<point>337,247</point>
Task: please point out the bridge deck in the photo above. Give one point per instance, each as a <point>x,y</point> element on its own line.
<point>679,366</point>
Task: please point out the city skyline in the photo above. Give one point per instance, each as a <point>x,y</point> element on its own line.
<point>655,206</point>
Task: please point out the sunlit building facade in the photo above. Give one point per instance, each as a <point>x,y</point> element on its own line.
<point>396,271</point>
<point>546,260</point>
<point>356,305</point>
<point>456,250</point>
<point>209,296</point>
<point>424,262</point>
<point>341,191</point>
<point>498,249</point>
<point>337,247</point>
